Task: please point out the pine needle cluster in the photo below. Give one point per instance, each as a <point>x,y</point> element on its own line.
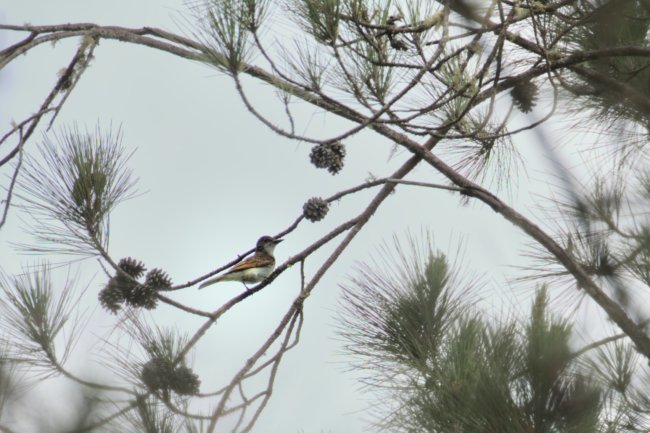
<point>442,365</point>
<point>69,189</point>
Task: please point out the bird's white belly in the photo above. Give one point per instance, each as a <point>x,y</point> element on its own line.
<point>255,275</point>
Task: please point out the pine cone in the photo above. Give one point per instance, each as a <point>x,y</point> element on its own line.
<point>158,279</point>
<point>157,374</point>
<point>321,156</point>
<point>132,267</point>
<point>315,209</point>
<point>398,43</point>
<point>524,95</point>
<point>120,287</point>
<point>111,297</point>
<point>123,283</point>
<point>185,381</point>
<point>329,156</point>
<point>338,148</point>
<point>143,296</point>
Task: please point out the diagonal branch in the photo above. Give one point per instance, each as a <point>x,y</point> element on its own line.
<point>359,222</point>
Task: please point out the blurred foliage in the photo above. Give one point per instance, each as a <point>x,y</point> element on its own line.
<point>33,317</point>
<point>439,364</point>
<point>601,25</point>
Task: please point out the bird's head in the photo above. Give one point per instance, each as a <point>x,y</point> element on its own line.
<point>267,244</point>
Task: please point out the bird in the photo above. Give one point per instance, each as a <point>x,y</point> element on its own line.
<point>253,269</point>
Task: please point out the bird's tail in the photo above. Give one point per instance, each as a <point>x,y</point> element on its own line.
<point>211,281</point>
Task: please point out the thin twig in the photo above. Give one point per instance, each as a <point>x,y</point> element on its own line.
<point>426,184</point>
<point>10,189</point>
<point>598,343</point>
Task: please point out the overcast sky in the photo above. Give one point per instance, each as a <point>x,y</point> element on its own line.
<point>213,179</point>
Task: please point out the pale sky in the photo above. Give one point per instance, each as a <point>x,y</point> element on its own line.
<point>213,179</point>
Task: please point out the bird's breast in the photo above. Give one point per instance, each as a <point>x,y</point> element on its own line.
<point>255,275</point>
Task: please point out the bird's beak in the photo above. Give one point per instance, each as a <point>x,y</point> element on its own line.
<point>277,241</point>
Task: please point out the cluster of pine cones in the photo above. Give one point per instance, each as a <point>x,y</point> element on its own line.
<point>124,287</point>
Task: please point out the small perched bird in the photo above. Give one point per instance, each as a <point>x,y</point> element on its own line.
<point>253,269</point>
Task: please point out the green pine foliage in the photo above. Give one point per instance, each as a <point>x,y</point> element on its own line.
<point>443,365</point>
<point>71,187</point>
<point>619,85</point>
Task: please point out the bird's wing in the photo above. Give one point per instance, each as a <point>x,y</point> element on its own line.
<point>256,261</point>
